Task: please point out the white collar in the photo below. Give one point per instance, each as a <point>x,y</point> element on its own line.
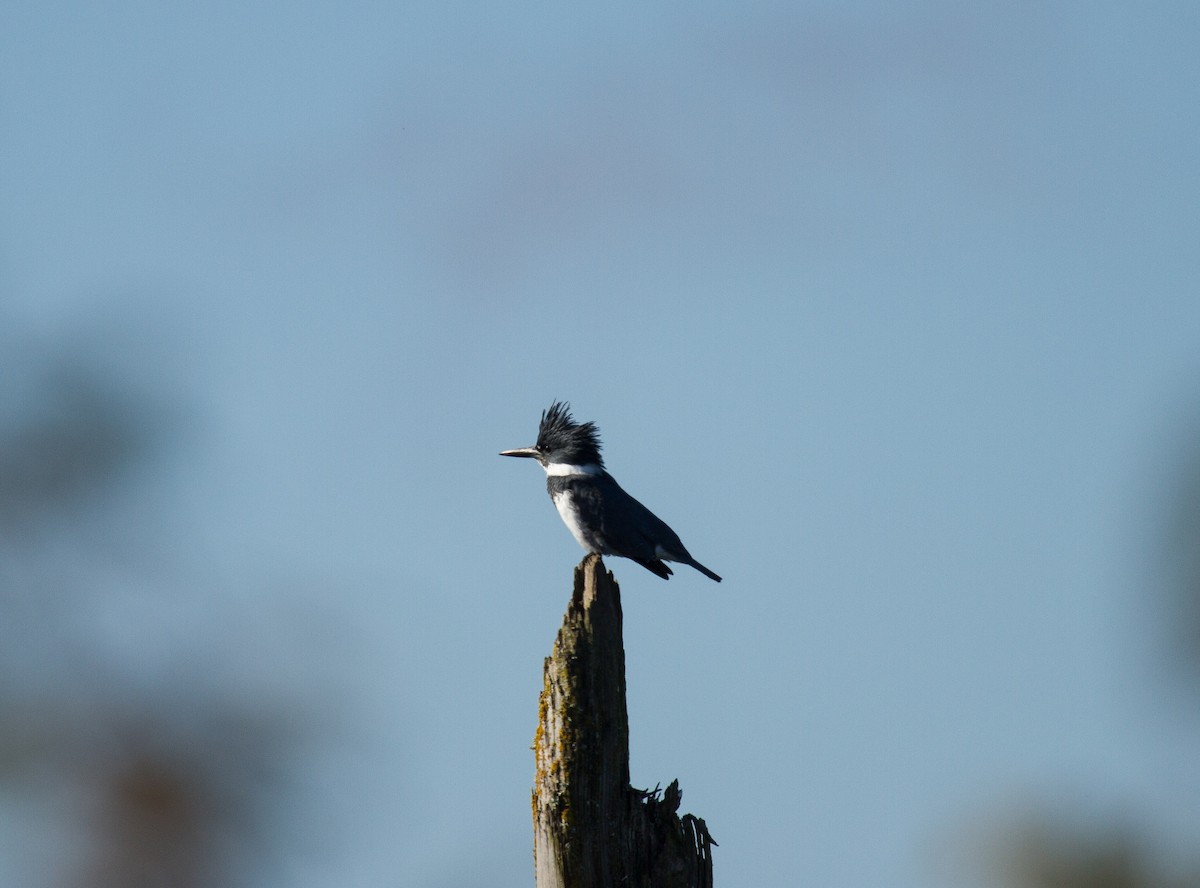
<point>563,470</point>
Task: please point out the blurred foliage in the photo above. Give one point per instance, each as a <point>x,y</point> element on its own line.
<point>1046,853</point>
<point>76,436</point>
<point>1055,852</point>
<point>171,781</point>
<point>181,809</point>
<point>1182,538</point>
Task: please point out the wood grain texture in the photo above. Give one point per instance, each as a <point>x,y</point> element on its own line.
<point>591,828</point>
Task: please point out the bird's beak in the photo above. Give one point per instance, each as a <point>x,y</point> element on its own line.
<point>521,451</point>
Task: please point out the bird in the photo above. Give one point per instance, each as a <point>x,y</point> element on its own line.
<point>601,516</point>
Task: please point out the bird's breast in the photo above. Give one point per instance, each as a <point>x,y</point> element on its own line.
<point>568,510</point>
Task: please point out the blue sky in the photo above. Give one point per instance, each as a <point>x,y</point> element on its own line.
<point>890,311</point>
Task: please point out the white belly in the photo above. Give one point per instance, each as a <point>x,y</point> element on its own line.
<point>570,516</point>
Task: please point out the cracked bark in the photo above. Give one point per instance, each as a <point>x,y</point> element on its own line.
<point>591,828</point>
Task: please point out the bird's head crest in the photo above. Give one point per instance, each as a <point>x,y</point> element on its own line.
<point>559,432</point>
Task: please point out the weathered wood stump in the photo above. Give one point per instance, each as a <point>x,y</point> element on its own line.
<point>591,829</point>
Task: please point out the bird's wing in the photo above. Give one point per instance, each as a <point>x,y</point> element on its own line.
<point>633,530</point>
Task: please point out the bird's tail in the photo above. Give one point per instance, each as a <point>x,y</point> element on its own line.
<point>704,570</point>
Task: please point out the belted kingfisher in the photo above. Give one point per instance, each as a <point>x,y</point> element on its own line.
<point>599,514</point>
